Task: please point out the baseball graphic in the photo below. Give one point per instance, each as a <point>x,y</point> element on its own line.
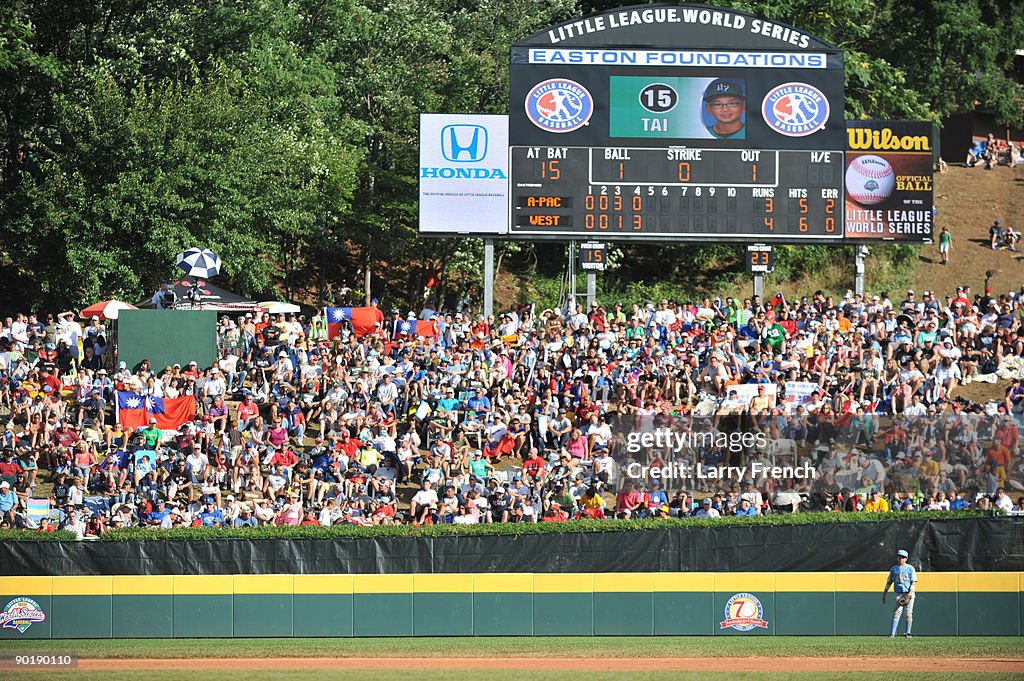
<point>746,609</point>
<point>870,180</point>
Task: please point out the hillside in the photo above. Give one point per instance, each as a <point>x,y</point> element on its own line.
<point>967,201</point>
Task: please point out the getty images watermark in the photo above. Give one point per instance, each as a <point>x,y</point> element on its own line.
<point>665,440</point>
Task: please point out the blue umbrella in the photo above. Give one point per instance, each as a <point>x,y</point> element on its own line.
<point>199,262</point>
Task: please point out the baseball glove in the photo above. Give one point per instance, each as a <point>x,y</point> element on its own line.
<point>903,599</point>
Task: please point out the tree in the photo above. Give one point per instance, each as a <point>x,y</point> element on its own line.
<point>956,55</point>
<point>283,134</point>
<point>136,177</point>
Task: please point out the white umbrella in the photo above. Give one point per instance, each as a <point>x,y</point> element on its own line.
<point>106,309</point>
<point>274,307</point>
<point>199,262</point>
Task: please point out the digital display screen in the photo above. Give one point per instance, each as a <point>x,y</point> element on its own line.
<point>637,193</point>
<point>681,137</point>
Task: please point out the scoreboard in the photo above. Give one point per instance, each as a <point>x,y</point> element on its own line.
<point>721,126</point>
<point>636,193</point>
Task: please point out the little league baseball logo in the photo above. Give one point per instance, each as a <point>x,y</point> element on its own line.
<point>559,105</point>
<point>870,180</point>
<point>795,109</point>
<point>743,612</point>
<point>21,613</point>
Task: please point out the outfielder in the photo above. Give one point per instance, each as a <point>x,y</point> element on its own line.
<point>903,580</point>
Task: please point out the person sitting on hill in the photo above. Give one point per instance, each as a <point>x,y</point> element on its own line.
<point>1011,238</point>
<point>975,154</point>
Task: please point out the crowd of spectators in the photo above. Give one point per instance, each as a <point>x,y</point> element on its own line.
<point>994,152</point>
<point>528,416</point>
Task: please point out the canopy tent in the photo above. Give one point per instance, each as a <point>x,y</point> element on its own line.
<point>105,309</point>
<point>198,294</point>
<point>275,307</point>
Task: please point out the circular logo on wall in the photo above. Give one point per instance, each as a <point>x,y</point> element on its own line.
<point>21,613</point>
<point>559,105</point>
<point>795,109</point>
<point>743,612</point>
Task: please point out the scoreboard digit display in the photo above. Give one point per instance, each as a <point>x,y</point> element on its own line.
<point>592,257</point>
<point>760,259</point>
<point>721,126</point>
<point>622,192</point>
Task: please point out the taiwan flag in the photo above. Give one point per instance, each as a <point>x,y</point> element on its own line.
<point>363,320</point>
<point>412,327</point>
<point>134,410</point>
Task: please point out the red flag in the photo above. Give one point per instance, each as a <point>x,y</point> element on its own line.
<point>409,327</point>
<point>134,410</point>
<point>363,320</point>
<point>427,329</point>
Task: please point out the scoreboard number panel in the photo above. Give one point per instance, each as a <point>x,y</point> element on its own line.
<point>676,192</point>
<point>676,123</point>
<point>760,259</point>
<point>592,257</point>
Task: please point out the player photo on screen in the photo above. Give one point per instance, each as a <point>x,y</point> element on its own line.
<point>725,109</point>
<point>678,107</point>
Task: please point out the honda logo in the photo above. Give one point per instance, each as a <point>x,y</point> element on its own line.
<point>464,143</point>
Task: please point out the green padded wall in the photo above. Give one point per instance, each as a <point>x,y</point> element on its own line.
<point>166,337</point>
<point>634,604</point>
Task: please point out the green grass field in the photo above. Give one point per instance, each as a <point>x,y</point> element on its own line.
<point>562,646</point>
<point>442,675</point>
<point>508,647</point>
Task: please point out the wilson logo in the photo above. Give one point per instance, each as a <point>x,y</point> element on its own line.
<point>864,139</point>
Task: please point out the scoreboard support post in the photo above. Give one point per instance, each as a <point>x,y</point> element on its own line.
<point>488,277</point>
<point>572,274</point>
<point>591,288</point>
<point>759,285</point>
<point>858,279</point>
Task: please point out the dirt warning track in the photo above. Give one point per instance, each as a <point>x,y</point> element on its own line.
<point>723,664</point>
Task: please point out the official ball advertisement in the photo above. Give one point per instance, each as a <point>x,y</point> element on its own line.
<point>889,180</point>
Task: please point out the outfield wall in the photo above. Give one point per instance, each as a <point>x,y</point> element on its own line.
<point>579,604</point>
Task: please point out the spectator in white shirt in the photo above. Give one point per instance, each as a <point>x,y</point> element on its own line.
<point>422,501</point>
<point>283,369</point>
<point>915,408</point>
<point>215,386</point>
<point>387,393</point>
<point>228,364</point>
<point>707,510</point>
<point>1003,501</point>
